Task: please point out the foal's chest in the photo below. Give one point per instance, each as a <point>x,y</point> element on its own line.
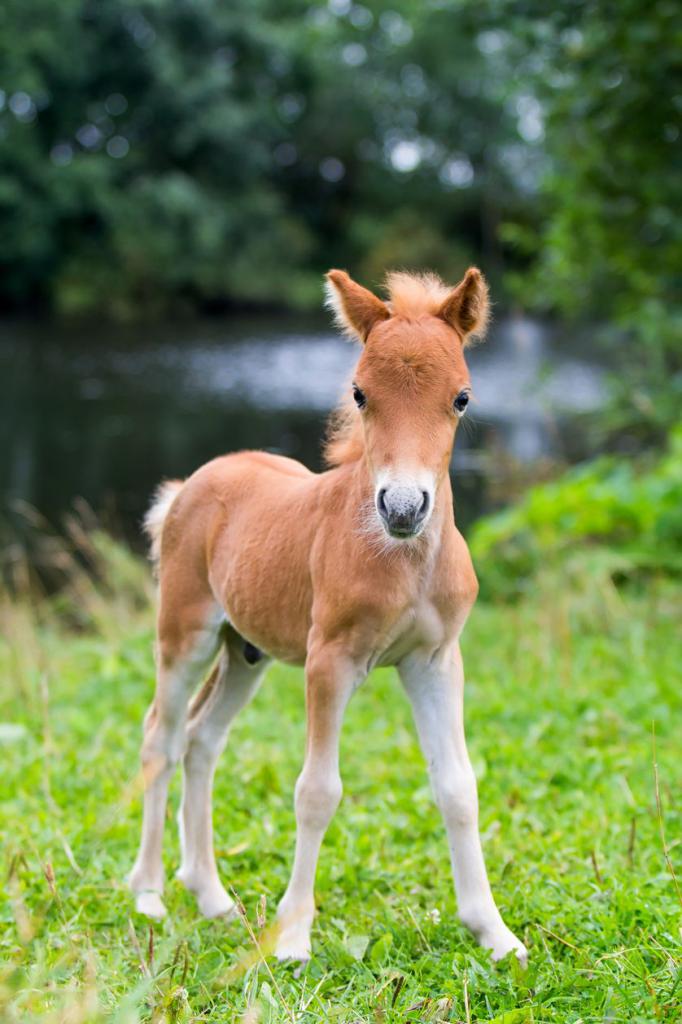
<point>420,626</point>
<point>433,611</point>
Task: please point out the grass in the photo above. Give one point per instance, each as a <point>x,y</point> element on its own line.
<point>574,703</point>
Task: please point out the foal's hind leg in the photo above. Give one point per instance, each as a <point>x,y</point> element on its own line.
<point>187,644</point>
<point>231,685</point>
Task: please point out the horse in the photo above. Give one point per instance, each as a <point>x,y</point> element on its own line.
<point>340,571</point>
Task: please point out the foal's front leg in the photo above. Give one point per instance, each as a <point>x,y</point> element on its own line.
<point>436,691</point>
<point>330,680</point>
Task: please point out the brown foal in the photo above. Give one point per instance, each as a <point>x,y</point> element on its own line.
<point>361,565</point>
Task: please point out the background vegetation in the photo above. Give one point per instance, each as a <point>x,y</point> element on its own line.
<point>166,153</point>
<point>231,152</point>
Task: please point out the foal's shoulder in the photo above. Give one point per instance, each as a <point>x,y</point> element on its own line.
<point>455,578</point>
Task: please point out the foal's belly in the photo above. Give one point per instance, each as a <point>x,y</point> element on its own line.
<point>273,617</point>
<point>267,597</point>
<point>285,644</point>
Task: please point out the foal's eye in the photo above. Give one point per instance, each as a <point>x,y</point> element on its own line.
<point>359,397</point>
<point>461,402</point>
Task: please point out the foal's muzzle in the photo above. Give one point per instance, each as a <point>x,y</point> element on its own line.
<point>403,509</point>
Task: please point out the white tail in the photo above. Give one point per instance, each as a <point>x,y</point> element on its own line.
<point>164,497</point>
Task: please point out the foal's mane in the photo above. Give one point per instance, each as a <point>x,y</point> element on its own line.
<point>414,295</point>
<point>409,297</point>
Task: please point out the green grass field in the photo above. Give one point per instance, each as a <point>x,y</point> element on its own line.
<point>564,698</point>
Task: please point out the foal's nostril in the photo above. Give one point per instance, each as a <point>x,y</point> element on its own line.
<point>381,502</point>
<point>424,507</point>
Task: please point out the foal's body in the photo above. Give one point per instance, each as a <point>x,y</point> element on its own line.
<point>267,579</point>
<point>335,571</point>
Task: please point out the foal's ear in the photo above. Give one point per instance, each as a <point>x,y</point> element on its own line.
<point>355,309</point>
<point>466,307</point>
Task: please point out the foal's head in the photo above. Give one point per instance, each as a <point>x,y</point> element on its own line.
<point>411,386</point>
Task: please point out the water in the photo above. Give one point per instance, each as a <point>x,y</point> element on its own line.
<point>104,413</point>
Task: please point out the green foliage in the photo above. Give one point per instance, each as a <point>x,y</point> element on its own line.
<point>608,241</point>
<point>562,693</point>
<point>624,515</point>
<point>166,152</point>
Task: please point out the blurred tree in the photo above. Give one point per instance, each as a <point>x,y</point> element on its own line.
<point>164,152</point>
<point>161,153</point>
<point>604,82</point>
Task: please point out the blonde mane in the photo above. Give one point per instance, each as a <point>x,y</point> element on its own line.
<point>414,295</point>
<point>409,297</point>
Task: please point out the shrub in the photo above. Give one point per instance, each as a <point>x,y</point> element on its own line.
<point>632,508</point>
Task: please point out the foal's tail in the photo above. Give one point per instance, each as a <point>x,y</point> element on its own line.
<point>164,497</point>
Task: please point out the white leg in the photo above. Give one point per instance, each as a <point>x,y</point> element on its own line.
<point>231,686</point>
<point>162,747</point>
<point>436,692</point>
<point>329,685</point>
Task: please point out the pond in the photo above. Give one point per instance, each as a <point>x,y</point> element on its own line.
<point>104,413</point>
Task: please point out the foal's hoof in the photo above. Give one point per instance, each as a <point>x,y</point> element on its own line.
<point>150,904</point>
<point>216,903</point>
<point>506,942</point>
<point>293,945</point>
<point>299,963</point>
<point>212,900</point>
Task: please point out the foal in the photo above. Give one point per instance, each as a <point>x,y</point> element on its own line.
<point>340,571</point>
